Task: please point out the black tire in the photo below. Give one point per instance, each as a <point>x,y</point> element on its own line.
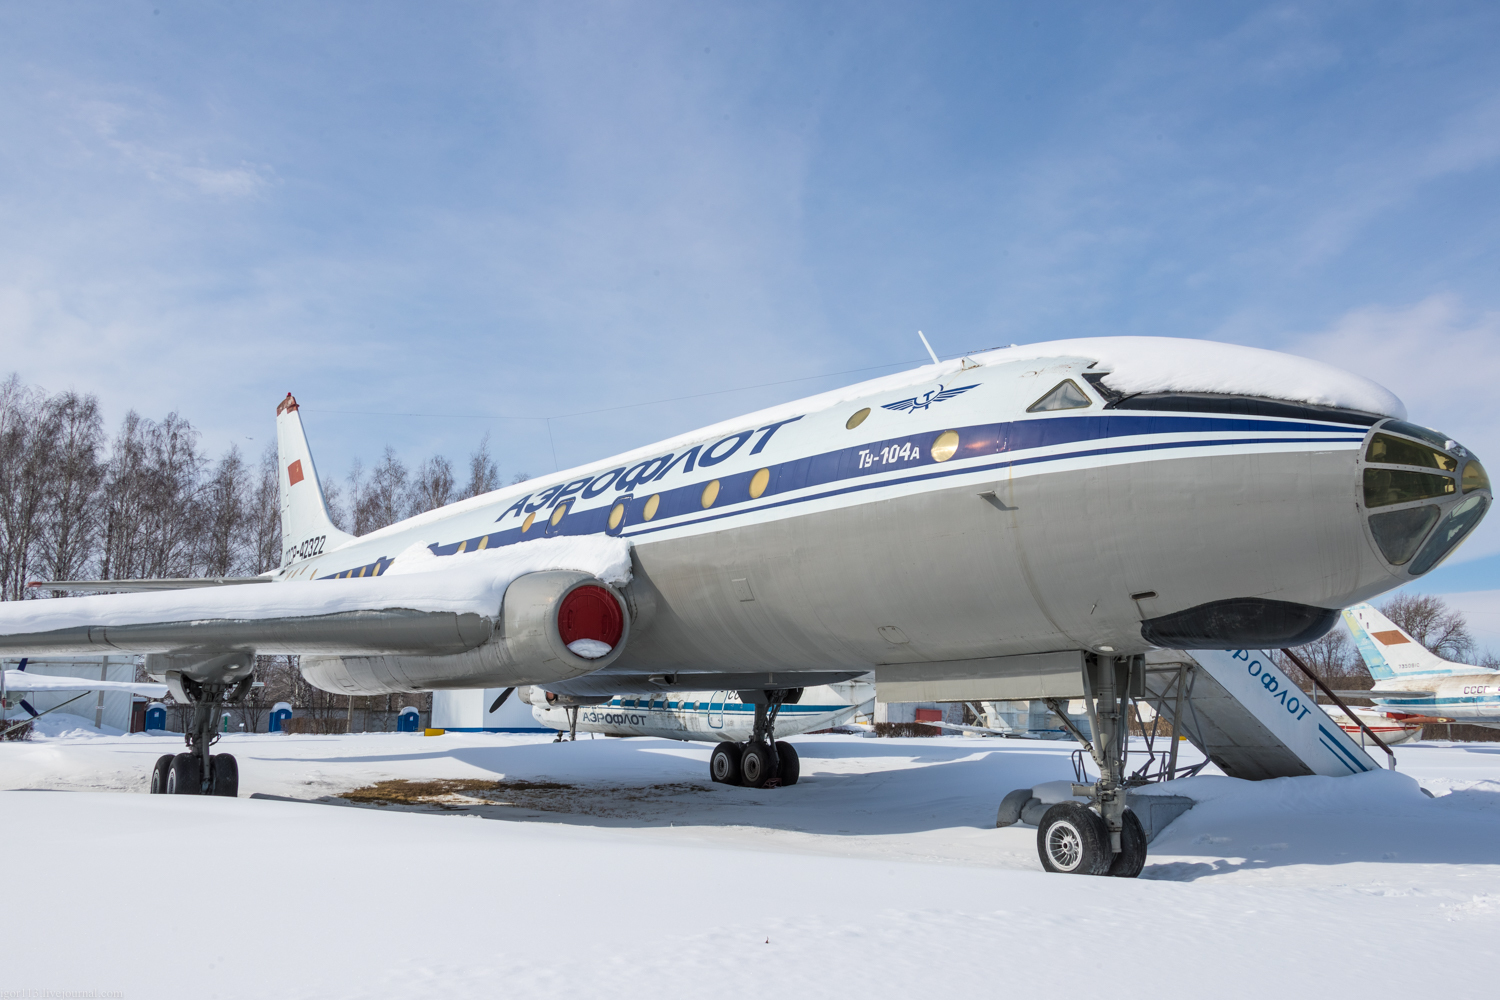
<point>755,765</point>
<point>1073,840</point>
<point>159,774</point>
<point>724,764</point>
<point>183,776</point>
<point>788,763</point>
<point>226,775</point>
<point>1132,857</point>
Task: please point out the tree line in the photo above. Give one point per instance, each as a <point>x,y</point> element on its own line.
<point>149,502</point>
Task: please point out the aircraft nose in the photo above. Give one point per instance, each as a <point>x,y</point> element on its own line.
<point>1423,493</point>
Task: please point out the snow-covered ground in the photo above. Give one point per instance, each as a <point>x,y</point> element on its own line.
<point>880,873</point>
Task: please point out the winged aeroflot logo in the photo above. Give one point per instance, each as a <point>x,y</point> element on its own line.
<point>937,395</point>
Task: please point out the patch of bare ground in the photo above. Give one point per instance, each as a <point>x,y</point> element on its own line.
<point>548,796</point>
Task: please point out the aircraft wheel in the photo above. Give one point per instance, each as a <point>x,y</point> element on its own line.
<point>755,765</point>
<point>183,775</point>
<point>1073,840</point>
<point>225,771</point>
<point>724,765</point>
<point>159,774</point>
<point>791,766</point>
<point>1132,857</point>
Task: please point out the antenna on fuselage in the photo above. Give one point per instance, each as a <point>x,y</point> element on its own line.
<point>930,351</point>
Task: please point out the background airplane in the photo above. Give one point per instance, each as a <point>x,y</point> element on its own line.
<point>16,683</point>
<point>726,718</point>
<point>1415,686</point>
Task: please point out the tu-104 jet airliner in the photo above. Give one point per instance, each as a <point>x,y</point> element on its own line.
<point>1023,522</point>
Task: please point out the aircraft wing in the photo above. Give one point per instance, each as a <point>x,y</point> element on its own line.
<point>34,683</point>
<point>372,616</point>
<point>132,586</point>
<point>1383,695</point>
<point>1009,733</point>
<point>445,605</point>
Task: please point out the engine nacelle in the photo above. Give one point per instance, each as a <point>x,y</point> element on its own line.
<point>552,626</point>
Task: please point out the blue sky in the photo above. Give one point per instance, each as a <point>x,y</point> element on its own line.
<point>494,213</point>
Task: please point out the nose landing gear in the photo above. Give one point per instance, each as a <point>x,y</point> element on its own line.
<point>1104,837</point>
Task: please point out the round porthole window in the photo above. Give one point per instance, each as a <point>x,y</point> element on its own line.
<point>759,482</point>
<point>557,515</point>
<point>526,524</point>
<point>616,516</point>
<point>945,446</point>
<point>649,511</point>
<point>857,419</point>
<point>710,494</point>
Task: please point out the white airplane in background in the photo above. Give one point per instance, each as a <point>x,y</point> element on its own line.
<point>1414,686</point>
<point>1021,523</point>
<point>722,717</point>
<point>1392,730</point>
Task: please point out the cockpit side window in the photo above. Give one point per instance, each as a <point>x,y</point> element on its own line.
<point>1064,396</point>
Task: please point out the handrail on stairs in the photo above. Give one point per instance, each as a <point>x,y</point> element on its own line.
<point>1349,712</point>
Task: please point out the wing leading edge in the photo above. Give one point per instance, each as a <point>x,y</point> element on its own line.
<point>438,612</point>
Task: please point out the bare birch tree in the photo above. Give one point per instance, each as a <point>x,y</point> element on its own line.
<point>433,485</point>
<point>483,474</point>
<point>71,528</point>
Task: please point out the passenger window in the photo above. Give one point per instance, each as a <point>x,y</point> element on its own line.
<point>1065,396</point>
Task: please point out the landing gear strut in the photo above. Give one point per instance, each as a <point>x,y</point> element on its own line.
<point>197,771</point>
<point>1105,837</point>
<point>572,713</point>
<point>764,761</point>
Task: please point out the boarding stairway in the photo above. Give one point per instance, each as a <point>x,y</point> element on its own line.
<point>1244,714</point>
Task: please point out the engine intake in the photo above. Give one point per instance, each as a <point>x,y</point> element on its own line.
<point>552,626</point>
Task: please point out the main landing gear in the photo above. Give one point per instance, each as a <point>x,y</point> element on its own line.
<point>764,761</point>
<point>1103,837</point>
<point>198,772</point>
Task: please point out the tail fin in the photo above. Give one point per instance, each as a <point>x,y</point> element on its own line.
<point>1390,652</point>
<point>306,528</point>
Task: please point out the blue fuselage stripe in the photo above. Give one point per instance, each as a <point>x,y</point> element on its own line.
<point>688,504</point>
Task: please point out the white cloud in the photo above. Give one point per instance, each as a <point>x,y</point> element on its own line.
<point>1443,359</point>
<point>121,129</point>
<point>1364,187</point>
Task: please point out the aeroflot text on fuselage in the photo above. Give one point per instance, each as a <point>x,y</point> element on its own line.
<point>625,479</point>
